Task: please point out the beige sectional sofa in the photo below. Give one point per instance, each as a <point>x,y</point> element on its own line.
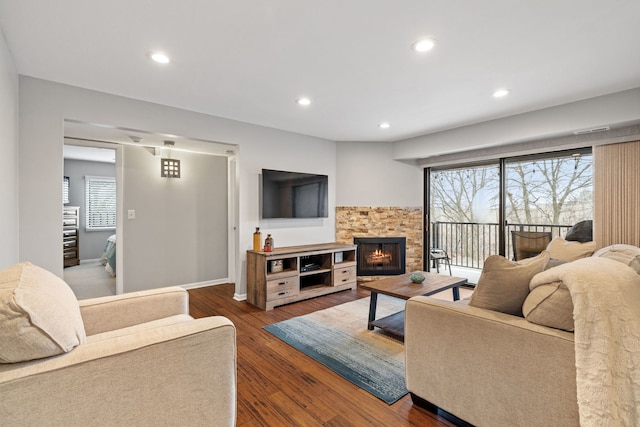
<point>539,343</point>
<point>133,359</point>
<point>489,368</point>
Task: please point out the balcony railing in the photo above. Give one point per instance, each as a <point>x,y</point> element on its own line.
<point>469,244</point>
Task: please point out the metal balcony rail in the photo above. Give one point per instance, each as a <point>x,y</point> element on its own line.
<point>469,244</point>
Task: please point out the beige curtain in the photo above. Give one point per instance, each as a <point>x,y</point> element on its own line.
<point>617,194</point>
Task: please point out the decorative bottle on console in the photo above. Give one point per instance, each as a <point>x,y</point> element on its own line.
<point>257,239</point>
<point>268,243</point>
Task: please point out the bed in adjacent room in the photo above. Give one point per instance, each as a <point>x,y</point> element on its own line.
<point>108,258</point>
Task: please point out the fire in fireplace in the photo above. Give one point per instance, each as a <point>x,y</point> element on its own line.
<point>380,256</point>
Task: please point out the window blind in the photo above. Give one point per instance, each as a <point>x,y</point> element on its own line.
<point>616,201</point>
<point>65,190</point>
<point>100,193</point>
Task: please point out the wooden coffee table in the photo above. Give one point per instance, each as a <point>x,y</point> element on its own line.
<point>402,287</point>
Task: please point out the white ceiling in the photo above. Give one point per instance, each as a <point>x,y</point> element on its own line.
<point>94,154</point>
<point>250,60</point>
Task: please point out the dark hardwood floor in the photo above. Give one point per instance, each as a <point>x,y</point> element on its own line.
<point>280,386</point>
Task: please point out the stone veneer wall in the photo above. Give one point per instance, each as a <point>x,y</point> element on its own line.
<point>366,221</point>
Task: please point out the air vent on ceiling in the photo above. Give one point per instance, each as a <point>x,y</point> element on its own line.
<point>600,129</point>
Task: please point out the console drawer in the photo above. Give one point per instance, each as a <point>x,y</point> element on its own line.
<point>282,288</point>
<point>343,275</point>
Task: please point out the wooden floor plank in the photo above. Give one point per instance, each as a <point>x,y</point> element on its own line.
<point>281,386</point>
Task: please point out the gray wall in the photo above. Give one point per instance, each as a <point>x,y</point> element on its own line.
<point>368,176</point>
<point>92,243</point>
<point>43,107</point>
<point>179,234</point>
<point>616,109</point>
<point>9,158</point>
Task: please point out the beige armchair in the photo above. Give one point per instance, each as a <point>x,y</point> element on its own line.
<point>144,361</point>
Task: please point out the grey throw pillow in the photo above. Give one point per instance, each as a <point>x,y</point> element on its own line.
<point>581,232</point>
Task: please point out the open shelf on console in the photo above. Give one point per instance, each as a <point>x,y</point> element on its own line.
<point>315,262</point>
<point>344,257</point>
<point>321,278</point>
<point>277,266</point>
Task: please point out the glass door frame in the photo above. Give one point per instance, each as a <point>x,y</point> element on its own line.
<point>501,163</point>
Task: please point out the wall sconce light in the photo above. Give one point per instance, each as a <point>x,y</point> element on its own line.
<point>170,168</point>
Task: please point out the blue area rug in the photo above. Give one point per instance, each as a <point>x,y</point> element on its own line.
<point>338,338</point>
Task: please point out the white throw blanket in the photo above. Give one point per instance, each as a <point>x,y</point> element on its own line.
<point>606,300</point>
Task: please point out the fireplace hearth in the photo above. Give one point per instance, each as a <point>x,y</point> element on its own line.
<point>380,256</point>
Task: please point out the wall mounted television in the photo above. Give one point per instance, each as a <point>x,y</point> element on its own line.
<point>293,195</point>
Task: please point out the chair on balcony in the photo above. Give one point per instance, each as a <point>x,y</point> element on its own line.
<point>527,244</point>
<point>438,256</point>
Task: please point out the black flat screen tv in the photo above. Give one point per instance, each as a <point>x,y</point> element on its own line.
<point>293,195</point>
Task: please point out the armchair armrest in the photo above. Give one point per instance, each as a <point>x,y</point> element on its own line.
<point>174,374</point>
<point>120,311</point>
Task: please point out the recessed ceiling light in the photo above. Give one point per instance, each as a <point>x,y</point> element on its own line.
<point>303,101</point>
<point>384,125</point>
<point>500,93</point>
<point>423,45</point>
<point>160,58</point>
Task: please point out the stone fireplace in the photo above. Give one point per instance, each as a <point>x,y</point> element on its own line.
<point>380,256</point>
<point>383,221</point>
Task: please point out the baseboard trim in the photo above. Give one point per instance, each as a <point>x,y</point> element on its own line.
<point>205,283</point>
<point>240,297</point>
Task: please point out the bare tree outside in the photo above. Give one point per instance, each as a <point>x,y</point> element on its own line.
<point>465,195</point>
<point>554,191</point>
<point>464,210</point>
<point>550,191</point>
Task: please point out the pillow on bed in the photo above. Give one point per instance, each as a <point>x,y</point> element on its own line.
<point>504,285</point>
<point>560,248</point>
<point>39,315</point>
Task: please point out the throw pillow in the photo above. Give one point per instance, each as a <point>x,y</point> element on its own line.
<point>580,232</point>
<point>559,248</point>
<point>626,254</point>
<point>554,263</point>
<point>40,316</point>
<point>504,285</point>
<point>550,305</point>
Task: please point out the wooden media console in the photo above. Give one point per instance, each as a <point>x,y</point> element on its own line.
<point>296,273</point>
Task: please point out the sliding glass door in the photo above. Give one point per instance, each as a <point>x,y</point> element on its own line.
<point>464,207</point>
<point>472,210</point>
<point>547,194</point>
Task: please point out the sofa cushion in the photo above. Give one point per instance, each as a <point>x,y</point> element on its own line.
<point>559,248</point>
<point>39,315</point>
<point>580,232</point>
<point>504,285</point>
<point>549,305</point>
<point>626,254</point>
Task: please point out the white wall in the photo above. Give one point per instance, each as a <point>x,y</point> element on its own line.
<point>43,107</point>
<point>614,109</point>
<point>368,176</point>
<point>9,158</point>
